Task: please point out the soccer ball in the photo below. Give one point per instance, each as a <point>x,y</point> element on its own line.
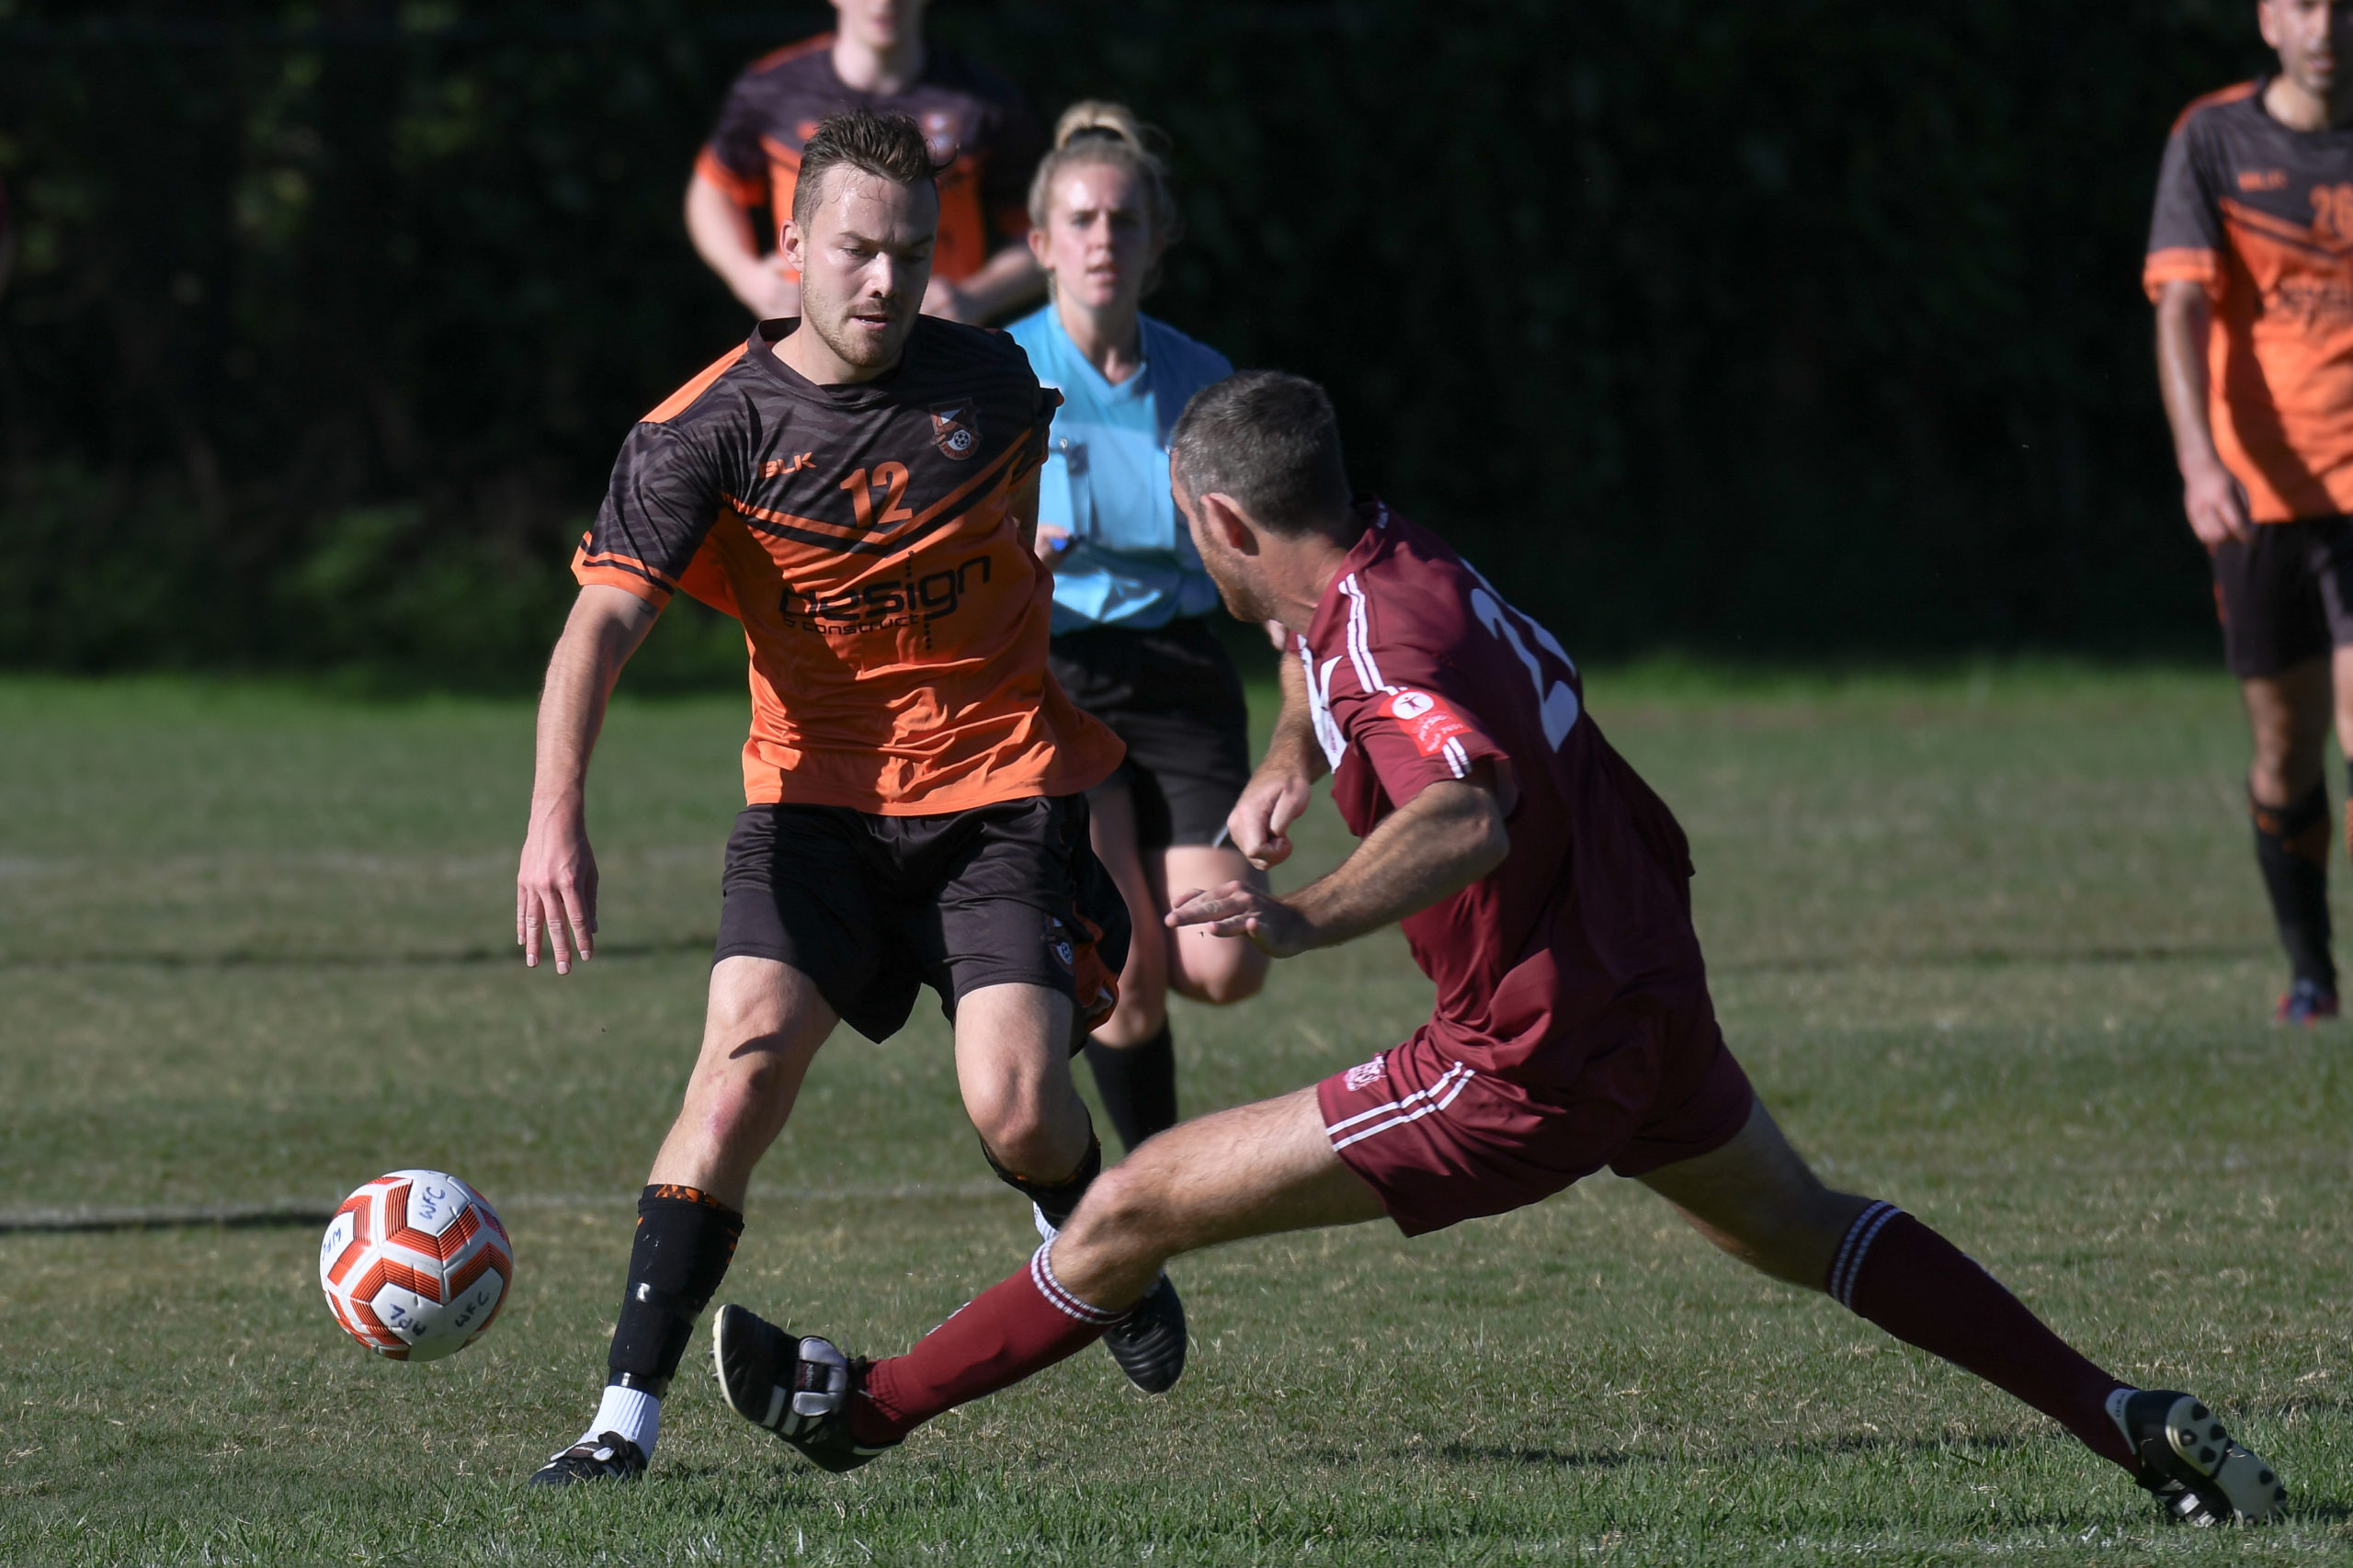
<point>415,1265</point>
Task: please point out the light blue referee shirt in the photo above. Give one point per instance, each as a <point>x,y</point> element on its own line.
<point>1130,562</point>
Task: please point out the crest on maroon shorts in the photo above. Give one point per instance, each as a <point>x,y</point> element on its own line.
<point>1366,1073</point>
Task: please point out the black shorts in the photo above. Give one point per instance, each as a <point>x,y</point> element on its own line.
<point>1175,697</point>
<point>872,907</point>
<point>2287,598</point>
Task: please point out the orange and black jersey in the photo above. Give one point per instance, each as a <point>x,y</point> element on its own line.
<point>866,538</point>
<point>981,134</point>
<point>2261,217</point>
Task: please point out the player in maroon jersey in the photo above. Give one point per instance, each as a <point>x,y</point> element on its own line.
<point>1544,888</point>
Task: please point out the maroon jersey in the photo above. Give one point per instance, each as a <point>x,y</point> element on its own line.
<point>981,135</point>
<point>1418,670</point>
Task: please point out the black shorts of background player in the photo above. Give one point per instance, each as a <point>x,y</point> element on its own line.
<point>1134,643</point>
<point>2247,242</point>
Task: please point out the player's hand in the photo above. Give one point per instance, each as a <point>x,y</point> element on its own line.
<point>1278,635</point>
<point>1051,543</point>
<point>944,299</point>
<point>555,889</point>
<point>1237,909</point>
<point>1270,802</point>
<point>2216,503</point>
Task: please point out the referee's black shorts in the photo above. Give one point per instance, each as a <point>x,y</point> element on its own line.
<point>871,908</point>
<point>2286,598</point>
<point>1173,694</point>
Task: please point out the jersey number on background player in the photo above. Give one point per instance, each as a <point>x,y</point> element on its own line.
<point>1559,700</point>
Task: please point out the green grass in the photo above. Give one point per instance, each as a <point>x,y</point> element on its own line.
<point>1988,940</point>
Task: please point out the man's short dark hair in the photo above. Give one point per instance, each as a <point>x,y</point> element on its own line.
<point>888,146</point>
<point>1271,442</point>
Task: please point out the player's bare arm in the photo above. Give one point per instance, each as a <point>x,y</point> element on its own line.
<point>729,243</point>
<point>1280,788</point>
<point>2210,495</point>
<point>555,887</point>
<point>1006,283</point>
<point>1438,842</point>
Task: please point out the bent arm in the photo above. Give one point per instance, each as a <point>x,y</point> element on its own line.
<point>555,888</point>
<point>725,238</point>
<point>1438,842</point>
<point>1284,781</point>
<point>2211,496</point>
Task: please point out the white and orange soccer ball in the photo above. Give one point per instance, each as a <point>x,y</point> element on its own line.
<point>415,1265</point>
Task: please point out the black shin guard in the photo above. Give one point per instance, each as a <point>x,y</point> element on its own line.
<point>1056,1199</point>
<point>685,1240</point>
<point>1138,1083</point>
<point>2292,846</point>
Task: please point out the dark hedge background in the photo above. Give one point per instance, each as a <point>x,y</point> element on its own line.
<point>1799,328</point>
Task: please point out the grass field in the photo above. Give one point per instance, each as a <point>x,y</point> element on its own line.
<point>1991,945</point>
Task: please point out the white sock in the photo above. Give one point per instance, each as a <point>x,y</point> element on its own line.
<point>634,1412</point>
<point>2116,1398</point>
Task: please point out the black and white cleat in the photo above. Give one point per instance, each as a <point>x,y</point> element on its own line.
<point>2198,1475</point>
<point>608,1456</point>
<point>796,1388</point>
<point>1149,1343</point>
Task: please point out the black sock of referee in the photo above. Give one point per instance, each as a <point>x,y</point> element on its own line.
<point>1138,1083</point>
<point>685,1240</point>
<point>2292,846</point>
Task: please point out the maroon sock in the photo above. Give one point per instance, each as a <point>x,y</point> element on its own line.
<point>1926,1291</point>
<point>1017,1326</point>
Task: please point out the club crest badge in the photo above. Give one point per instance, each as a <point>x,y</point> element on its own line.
<point>1366,1073</point>
<point>951,428</point>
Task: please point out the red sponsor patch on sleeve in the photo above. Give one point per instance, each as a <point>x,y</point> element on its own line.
<point>1426,719</point>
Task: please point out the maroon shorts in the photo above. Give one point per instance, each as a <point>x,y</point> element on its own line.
<point>1441,1142</point>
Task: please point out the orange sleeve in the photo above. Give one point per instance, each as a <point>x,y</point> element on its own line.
<point>2182,263</point>
<point>743,192</point>
<point>611,569</point>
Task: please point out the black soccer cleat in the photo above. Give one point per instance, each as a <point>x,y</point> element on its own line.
<point>799,1388</point>
<point>2198,1475</point>
<point>1149,1343</point>
<point>608,1456</point>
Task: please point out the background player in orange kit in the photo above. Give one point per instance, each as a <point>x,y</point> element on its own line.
<point>2251,266</point>
<point>859,487</point>
<point>1545,890</point>
<point>980,133</point>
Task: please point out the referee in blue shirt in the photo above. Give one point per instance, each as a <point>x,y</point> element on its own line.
<point>1131,642</point>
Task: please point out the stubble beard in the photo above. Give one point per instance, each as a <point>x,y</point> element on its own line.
<point>830,326</point>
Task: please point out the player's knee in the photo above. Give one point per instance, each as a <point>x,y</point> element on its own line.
<point>1020,1135</point>
<point>1124,1210</point>
<point>1235,976</point>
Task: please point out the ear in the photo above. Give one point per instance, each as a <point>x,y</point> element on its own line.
<point>1038,242</point>
<point>1228,523</point>
<point>791,246</point>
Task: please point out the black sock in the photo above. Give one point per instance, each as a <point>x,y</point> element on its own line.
<point>1138,1085</point>
<point>2292,846</point>
<point>1056,1199</point>
<point>684,1241</point>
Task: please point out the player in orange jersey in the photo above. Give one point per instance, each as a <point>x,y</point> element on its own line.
<point>980,133</point>
<point>2250,265</point>
<point>859,488</point>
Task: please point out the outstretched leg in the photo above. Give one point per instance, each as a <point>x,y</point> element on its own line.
<point>1251,1171</point>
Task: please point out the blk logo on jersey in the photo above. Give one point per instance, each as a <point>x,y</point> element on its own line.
<point>1428,722</point>
<point>952,428</point>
